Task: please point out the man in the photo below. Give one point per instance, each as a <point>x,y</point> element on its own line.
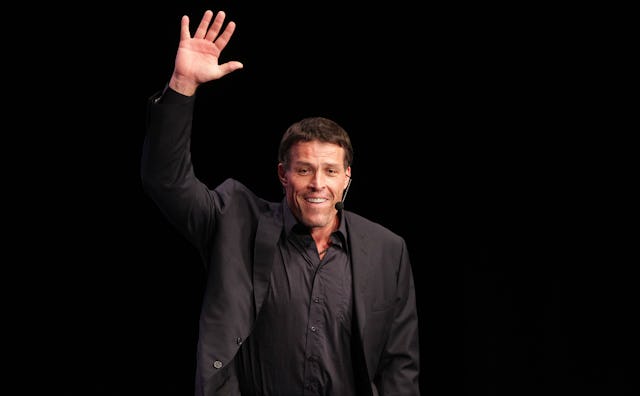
<point>302,297</point>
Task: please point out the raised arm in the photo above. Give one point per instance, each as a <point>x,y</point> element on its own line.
<point>197,58</point>
<point>166,167</point>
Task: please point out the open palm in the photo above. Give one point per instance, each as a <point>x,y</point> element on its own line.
<point>197,58</point>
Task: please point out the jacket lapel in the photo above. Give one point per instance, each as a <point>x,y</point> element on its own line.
<point>267,234</point>
<point>360,270</point>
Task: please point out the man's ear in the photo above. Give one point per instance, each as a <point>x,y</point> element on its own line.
<point>347,179</point>
<point>282,174</point>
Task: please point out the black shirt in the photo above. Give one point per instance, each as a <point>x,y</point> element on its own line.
<point>301,342</point>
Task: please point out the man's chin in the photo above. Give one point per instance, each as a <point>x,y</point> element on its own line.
<point>316,220</point>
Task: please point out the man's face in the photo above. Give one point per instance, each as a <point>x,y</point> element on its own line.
<point>314,181</point>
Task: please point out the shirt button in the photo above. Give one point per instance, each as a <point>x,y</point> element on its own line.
<point>316,299</point>
<point>217,364</point>
<point>314,328</point>
<point>238,340</point>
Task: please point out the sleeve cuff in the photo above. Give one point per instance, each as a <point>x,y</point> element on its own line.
<point>169,96</point>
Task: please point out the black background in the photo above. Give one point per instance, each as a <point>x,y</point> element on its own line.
<point>469,141</point>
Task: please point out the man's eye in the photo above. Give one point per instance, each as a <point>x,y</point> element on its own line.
<point>303,171</point>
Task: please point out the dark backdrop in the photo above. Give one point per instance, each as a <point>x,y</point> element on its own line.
<point>459,122</point>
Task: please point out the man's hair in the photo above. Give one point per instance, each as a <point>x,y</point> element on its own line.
<point>311,129</point>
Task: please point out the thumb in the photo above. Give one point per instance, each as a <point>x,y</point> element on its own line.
<point>230,66</point>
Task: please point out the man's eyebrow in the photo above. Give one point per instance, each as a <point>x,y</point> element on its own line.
<point>322,165</point>
<point>299,163</point>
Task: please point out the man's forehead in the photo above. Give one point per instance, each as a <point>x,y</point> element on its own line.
<point>316,148</point>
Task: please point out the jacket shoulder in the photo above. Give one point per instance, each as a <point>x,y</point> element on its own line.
<point>374,230</point>
<point>233,193</point>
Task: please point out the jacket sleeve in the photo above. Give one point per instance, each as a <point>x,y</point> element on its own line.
<point>167,171</point>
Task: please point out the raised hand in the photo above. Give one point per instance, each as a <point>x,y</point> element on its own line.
<point>197,59</point>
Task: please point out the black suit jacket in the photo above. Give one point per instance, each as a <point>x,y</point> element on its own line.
<point>236,233</point>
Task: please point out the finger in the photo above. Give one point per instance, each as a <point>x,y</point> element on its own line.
<point>201,31</point>
<point>224,38</point>
<point>184,28</point>
<point>215,26</point>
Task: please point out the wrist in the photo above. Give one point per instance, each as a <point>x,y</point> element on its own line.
<point>186,87</point>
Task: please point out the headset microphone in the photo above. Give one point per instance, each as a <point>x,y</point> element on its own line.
<point>340,204</point>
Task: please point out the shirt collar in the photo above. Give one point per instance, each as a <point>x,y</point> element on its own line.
<point>291,225</point>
